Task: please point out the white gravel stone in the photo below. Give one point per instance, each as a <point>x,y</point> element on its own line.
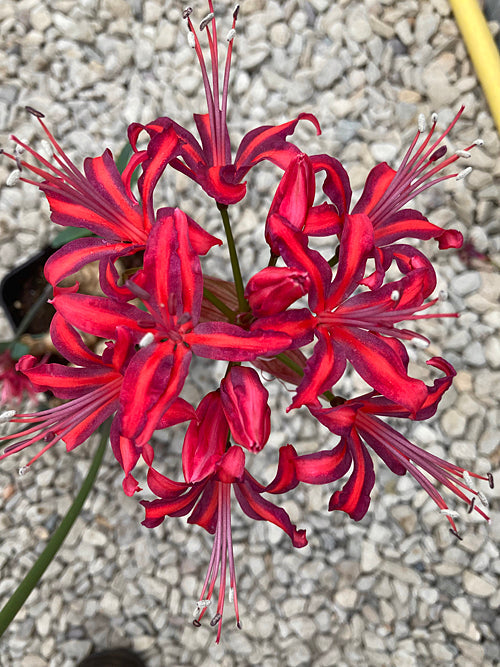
<point>477,585</point>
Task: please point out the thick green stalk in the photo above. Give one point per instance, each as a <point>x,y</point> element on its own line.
<point>29,582</point>
<point>233,255</point>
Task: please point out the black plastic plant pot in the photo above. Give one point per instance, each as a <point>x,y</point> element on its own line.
<point>21,288</point>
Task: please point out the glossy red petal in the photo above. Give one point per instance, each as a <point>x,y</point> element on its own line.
<point>80,252</point>
<point>325,466</point>
<point>269,143</point>
<point>323,369</point>
<point>336,184</point>
<point>100,316</point>
<point>275,288</point>
<point>206,439</point>
<point>70,344</point>
<point>379,179</point>
<point>381,367</point>
<point>256,507</point>
<point>355,245</point>
<point>220,340</point>
<point>354,498</point>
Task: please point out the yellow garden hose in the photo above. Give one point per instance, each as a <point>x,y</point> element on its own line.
<point>482,50</point>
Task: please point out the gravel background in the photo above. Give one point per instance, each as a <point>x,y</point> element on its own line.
<point>394,589</point>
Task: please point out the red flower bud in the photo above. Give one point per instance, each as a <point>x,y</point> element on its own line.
<point>272,290</point>
<point>244,401</point>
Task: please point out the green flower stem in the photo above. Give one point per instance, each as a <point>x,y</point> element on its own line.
<point>24,589</point>
<point>220,305</point>
<point>238,280</point>
<point>294,366</point>
<point>27,319</point>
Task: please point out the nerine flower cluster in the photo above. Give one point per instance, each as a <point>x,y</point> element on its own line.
<point>303,318</point>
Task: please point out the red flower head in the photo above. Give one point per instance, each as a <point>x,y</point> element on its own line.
<point>210,164</point>
<point>357,422</point>
<point>212,467</point>
<point>14,385</point>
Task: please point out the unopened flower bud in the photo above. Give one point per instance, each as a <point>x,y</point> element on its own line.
<point>244,401</point>
<point>273,289</point>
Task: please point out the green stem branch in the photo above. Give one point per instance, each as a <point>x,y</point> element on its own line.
<point>233,255</point>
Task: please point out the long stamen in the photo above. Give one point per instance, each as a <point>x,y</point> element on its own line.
<point>417,169</point>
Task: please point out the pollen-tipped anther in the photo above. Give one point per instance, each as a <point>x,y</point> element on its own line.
<point>438,154</point>
<point>464,154</point>
<point>24,470</point>
<point>147,339</point>
<point>467,478</point>
<point>196,623</point>
<point>478,142</point>
<point>456,534</point>
<point>230,35</point>
<point>464,173</point>
<point>236,11</point>
<point>186,12</point>
<point>491,481</point>
<point>471,506</point>
<point>453,514</point>
<point>191,40</point>
<point>13,178</point>
<point>7,416</point>
<point>205,21</point>
<point>215,619</point>
<point>395,295</point>
<point>434,117</point>
<point>422,125</point>
<point>34,112</point>
<point>483,499</point>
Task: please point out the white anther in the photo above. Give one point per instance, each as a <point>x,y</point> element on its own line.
<point>147,339</point>
<point>483,499</point>
<point>201,604</point>
<point>7,416</point>
<point>230,35</point>
<point>418,342</point>
<point>191,40</point>
<point>479,142</point>
<point>395,295</point>
<point>187,12</point>
<point>204,22</point>
<point>235,11</point>
<point>24,470</point>
<point>451,513</point>
<point>443,295</point>
<point>18,150</point>
<point>434,117</point>
<point>13,178</point>
<point>467,479</point>
<point>231,595</point>
<point>422,125</point>
<point>464,173</point>
<point>48,149</point>
<point>461,153</point>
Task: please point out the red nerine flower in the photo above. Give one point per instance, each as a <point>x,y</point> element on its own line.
<point>357,422</point>
<point>14,386</point>
<point>212,468</point>
<point>357,328</point>
<point>101,201</point>
<point>210,164</point>
<point>171,289</point>
<point>385,194</point>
